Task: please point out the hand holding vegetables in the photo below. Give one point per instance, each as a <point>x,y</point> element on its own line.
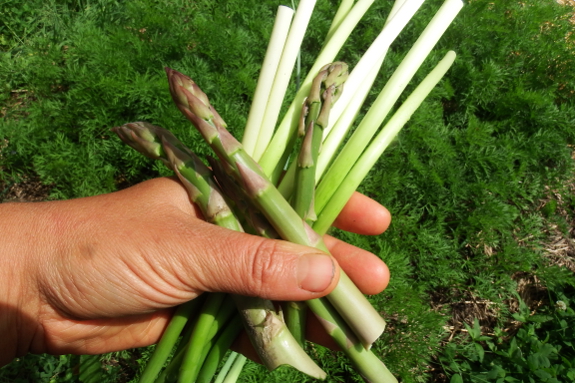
<point>100,274</point>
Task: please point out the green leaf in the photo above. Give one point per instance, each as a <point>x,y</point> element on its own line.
<point>513,347</point>
<point>543,374</point>
<point>520,317</point>
<point>480,351</point>
<point>456,379</point>
<point>540,318</point>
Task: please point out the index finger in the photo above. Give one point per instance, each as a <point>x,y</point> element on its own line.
<point>363,215</point>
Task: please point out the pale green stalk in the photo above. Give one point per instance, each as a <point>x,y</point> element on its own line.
<point>226,367</point>
<point>380,143</point>
<point>283,74</point>
<point>346,297</point>
<point>342,119</point>
<point>396,6</point>
<point>266,77</point>
<point>236,370</point>
<point>386,99</point>
<point>359,84</point>
<point>393,27</point>
<point>284,137</point>
<point>298,62</point>
<point>342,11</point>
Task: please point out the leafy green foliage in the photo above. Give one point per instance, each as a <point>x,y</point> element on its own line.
<point>113,367</point>
<point>40,368</point>
<point>542,350</point>
<point>91,67</point>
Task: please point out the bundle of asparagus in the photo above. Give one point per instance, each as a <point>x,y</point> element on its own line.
<point>241,191</point>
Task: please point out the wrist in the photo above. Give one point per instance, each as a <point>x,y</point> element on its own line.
<point>21,232</point>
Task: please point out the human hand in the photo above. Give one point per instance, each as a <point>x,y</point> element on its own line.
<point>100,274</point>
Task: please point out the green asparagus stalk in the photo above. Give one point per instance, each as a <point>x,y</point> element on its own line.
<point>168,340</point>
<point>219,349</point>
<point>192,361</point>
<point>375,149</point>
<point>365,361</point>
<point>385,101</point>
<point>273,350</point>
<point>282,141</point>
<point>346,297</point>
<point>170,373</point>
<point>255,222</point>
<point>160,144</point>
<point>325,90</point>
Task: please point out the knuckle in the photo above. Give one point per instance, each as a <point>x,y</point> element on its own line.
<point>263,269</point>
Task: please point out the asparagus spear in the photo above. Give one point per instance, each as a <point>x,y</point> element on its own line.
<point>219,349</point>
<point>273,350</point>
<point>385,101</point>
<point>168,340</point>
<point>370,155</point>
<point>346,297</point>
<point>170,373</point>
<point>325,90</point>
<point>160,144</point>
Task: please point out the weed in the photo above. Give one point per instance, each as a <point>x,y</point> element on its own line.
<point>541,350</point>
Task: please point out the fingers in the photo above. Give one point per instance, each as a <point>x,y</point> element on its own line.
<point>369,273</point>
<point>363,215</point>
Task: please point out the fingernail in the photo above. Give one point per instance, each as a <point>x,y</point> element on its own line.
<point>315,272</point>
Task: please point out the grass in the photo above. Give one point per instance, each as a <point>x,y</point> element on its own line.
<point>480,183</point>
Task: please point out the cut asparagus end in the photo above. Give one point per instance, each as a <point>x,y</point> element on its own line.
<point>271,338</point>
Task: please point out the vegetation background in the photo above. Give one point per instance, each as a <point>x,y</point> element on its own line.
<point>480,183</point>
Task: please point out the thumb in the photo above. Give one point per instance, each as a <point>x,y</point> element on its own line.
<point>244,264</point>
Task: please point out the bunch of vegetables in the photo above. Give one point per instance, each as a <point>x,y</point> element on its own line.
<point>286,182</point>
